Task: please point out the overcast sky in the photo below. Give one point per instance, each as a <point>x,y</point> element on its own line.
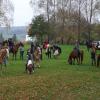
<point>23,12</point>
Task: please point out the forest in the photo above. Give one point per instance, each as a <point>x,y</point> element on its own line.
<point>66,20</point>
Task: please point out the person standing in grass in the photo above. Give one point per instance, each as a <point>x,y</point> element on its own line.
<point>21,52</point>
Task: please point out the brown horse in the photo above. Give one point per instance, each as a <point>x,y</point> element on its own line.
<point>36,57</point>
<point>98,60</point>
<point>3,55</point>
<point>15,50</point>
<point>76,55</point>
<point>30,68</point>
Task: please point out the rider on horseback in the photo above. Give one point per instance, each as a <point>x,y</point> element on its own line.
<point>11,44</point>
<point>77,48</point>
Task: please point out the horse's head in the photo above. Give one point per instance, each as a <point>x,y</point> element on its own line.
<point>19,44</point>
<point>70,60</point>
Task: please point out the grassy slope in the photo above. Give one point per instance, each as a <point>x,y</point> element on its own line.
<point>55,80</point>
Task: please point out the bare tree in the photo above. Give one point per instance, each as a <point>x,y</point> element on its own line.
<point>6,12</point>
<point>69,17</point>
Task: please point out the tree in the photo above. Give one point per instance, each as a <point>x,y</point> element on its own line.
<point>6,12</point>
<point>91,10</point>
<point>1,38</point>
<point>70,19</point>
<point>38,27</point>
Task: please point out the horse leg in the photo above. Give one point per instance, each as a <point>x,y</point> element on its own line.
<point>88,49</point>
<point>15,56</point>
<point>81,58</point>
<point>77,61</point>
<point>73,61</point>
<point>1,66</point>
<point>5,61</point>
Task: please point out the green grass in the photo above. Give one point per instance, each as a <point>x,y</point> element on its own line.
<point>54,80</point>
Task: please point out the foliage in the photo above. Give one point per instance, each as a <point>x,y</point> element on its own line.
<point>6,12</point>
<point>68,17</point>
<point>1,38</point>
<point>38,27</point>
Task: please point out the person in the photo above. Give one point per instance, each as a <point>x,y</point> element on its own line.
<point>32,48</point>
<point>21,52</point>
<point>77,47</point>
<point>93,56</point>
<point>49,52</point>
<point>10,44</point>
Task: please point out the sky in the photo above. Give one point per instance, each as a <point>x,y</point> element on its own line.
<point>23,12</point>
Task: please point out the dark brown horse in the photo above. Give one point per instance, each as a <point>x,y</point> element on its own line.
<point>15,50</point>
<point>76,55</point>
<point>98,60</point>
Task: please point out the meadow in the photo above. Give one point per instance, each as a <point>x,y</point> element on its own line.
<point>54,80</point>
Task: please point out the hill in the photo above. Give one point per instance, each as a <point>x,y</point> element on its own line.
<point>20,31</point>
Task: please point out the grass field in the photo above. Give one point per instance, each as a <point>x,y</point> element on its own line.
<point>54,80</point>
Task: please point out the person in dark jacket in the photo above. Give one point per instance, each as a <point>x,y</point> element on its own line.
<point>93,56</point>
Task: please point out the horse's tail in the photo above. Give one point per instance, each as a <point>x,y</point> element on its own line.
<point>82,55</point>
<point>70,58</point>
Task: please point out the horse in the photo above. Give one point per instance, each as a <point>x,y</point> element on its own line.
<point>98,60</point>
<point>4,54</point>
<point>76,55</point>
<point>29,66</point>
<point>14,49</point>
<point>36,57</point>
